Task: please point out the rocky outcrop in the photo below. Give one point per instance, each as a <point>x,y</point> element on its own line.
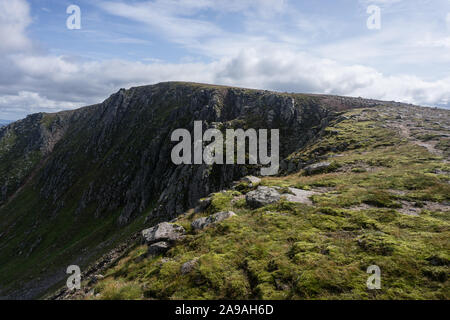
<point>158,248</point>
<point>299,196</point>
<point>162,237</point>
<point>23,146</point>
<point>101,148</point>
<point>204,222</point>
<point>262,196</point>
<point>251,180</point>
<point>165,231</point>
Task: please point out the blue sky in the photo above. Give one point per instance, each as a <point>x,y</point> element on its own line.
<point>317,46</point>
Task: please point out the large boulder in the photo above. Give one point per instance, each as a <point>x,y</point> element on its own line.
<point>262,196</point>
<point>163,232</point>
<point>202,223</point>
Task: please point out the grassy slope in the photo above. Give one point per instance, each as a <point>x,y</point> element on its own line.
<point>295,251</point>
<point>55,248</point>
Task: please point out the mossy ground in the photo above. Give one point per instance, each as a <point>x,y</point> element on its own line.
<point>294,251</point>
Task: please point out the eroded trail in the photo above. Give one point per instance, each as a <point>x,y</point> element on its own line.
<point>424,127</point>
<point>430,146</point>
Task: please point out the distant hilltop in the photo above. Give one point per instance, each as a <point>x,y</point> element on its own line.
<point>4,122</point>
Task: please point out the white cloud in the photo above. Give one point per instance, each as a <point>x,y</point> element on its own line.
<point>301,71</point>
<point>190,7</point>
<point>270,59</point>
<point>14,19</point>
<point>25,102</point>
<point>68,84</point>
<point>438,42</point>
<point>380,1</point>
<point>183,22</point>
<point>164,18</point>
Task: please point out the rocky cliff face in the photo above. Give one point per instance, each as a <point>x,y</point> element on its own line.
<point>126,142</point>
<point>73,183</point>
<point>23,145</point>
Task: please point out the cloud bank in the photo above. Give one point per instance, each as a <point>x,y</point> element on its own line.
<point>33,81</point>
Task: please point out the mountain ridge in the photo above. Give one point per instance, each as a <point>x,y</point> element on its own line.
<point>4,122</point>
<point>76,183</point>
<point>378,198</point>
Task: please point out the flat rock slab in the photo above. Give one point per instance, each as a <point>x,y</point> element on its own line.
<point>252,180</point>
<point>158,248</point>
<point>202,223</point>
<point>299,196</point>
<point>163,232</point>
<point>262,197</point>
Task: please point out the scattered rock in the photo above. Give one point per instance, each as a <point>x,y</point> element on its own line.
<point>204,222</point>
<point>95,278</point>
<point>163,232</point>
<point>300,196</point>
<point>189,266</point>
<point>262,196</point>
<point>203,204</point>
<point>409,209</point>
<point>95,271</point>
<point>435,206</point>
<point>438,261</point>
<point>199,223</point>
<point>158,248</point>
<point>317,167</point>
<point>251,180</point>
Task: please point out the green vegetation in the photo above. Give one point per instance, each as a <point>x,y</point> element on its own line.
<point>15,166</point>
